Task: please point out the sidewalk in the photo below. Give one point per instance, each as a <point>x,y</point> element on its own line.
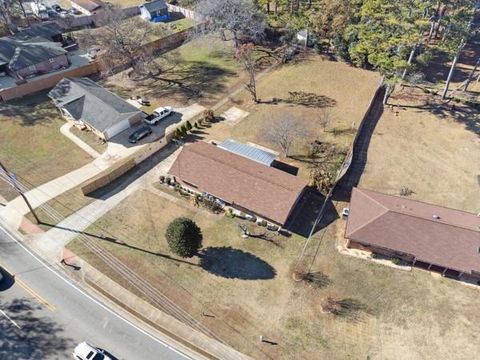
<point>65,130</point>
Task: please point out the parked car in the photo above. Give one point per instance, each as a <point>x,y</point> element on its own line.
<point>85,351</point>
<point>143,101</point>
<point>163,112</point>
<point>139,134</point>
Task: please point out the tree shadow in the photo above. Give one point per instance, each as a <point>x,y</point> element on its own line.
<point>30,110</point>
<point>36,338</point>
<point>349,308</point>
<point>233,263</point>
<point>303,98</point>
<point>317,279</point>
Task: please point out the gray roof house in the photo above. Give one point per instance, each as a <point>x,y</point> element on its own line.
<point>152,9</point>
<point>22,58</point>
<point>51,31</point>
<point>87,103</point>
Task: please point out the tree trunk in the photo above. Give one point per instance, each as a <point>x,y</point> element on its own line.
<point>452,70</point>
<point>268,7</point>
<point>275,7</point>
<point>388,92</point>
<point>470,76</point>
<point>24,12</point>
<point>410,59</point>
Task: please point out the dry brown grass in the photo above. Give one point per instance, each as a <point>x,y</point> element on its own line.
<point>31,144</point>
<point>430,149</point>
<point>395,314</point>
<point>90,138</point>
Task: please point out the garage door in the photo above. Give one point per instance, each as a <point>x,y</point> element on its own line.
<point>117,128</point>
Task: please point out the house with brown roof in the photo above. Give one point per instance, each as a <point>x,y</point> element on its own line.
<point>237,181</point>
<point>88,7</point>
<point>428,236</point>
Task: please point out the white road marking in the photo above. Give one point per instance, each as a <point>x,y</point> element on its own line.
<point>9,318</point>
<point>92,298</point>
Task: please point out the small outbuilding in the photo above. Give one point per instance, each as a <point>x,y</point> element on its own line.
<point>88,104</point>
<point>154,10</point>
<point>88,7</point>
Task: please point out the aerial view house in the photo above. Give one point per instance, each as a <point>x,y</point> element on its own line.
<point>238,181</point>
<point>25,58</point>
<point>153,10</point>
<point>88,7</point>
<point>427,236</point>
<point>88,104</point>
<point>50,31</point>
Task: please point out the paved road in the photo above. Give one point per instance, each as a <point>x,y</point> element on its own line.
<point>42,316</point>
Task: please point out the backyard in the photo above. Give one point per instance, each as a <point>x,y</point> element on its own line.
<point>429,147</point>
<point>32,145</point>
<point>247,286</point>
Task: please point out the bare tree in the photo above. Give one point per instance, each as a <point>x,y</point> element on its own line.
<point>284,132</point>
<point>121,41</point>
<point>325,118</point>
<point>240,18</point>
<point>245,54</point>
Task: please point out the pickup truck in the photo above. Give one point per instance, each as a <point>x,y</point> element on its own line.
<point>158,115</point>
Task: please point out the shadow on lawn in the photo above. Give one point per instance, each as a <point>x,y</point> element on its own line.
<point>116,241</point>
<point>233,263</point>
<point>30,110</point>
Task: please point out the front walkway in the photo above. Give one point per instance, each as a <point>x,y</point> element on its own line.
<point>65,130</point>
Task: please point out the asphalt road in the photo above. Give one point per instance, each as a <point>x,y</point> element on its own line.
<point>44,316</point>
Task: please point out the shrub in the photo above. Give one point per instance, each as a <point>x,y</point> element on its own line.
<point>184,237</point>
<point>168,180</point>
<point>208,115</point>
<point>195,125</point>
<point>375,256</point>
<point>212,205</point>
<point>188,125</point>
<point>162,179</point>
<point>262,223</point>
<point>253,219</point>
<point>229,213</point>
<point>396,261</point>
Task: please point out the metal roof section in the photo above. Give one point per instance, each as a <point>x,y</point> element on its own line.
<point>249,151</point>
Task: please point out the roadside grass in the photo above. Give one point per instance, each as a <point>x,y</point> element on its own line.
<point>426,146</point>
<point>393,313</point>
<point>90,138</point>
<point>64,204</point>
<point>31,144</point>
<point>205,66</point>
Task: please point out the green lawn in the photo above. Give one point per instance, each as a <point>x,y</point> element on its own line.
<point>31,144</point>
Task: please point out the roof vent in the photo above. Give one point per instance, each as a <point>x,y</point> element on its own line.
<point>436,217</point>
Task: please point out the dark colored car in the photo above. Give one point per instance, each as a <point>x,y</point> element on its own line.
<point>139,134</point>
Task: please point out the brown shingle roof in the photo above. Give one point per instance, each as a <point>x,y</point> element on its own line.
<point>433,234</point>
<point>268,192</point>
<point>89,5</point>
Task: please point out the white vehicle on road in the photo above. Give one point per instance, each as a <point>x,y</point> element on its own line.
<point>85,351</point>
<point>157,115</point>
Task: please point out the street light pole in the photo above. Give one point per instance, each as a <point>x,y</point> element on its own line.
<point>14,184</point>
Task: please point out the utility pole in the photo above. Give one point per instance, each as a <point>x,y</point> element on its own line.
<point>13,182</point>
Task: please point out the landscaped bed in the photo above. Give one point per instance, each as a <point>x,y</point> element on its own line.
<point>32,145</point>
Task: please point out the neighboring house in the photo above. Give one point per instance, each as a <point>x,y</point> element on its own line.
<point>50,31</point>
<point>237,181</point>
<point>87,103</point>
<point>88,7</point>
<point>431,237</point>
<point>153,9</point>
<point>25,58</point>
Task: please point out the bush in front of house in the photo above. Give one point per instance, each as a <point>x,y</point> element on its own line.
<point>208,115</point>
<point>212,205</point>
<point>188,125</point>
<point>262,223</point>
<point>184,237</point>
